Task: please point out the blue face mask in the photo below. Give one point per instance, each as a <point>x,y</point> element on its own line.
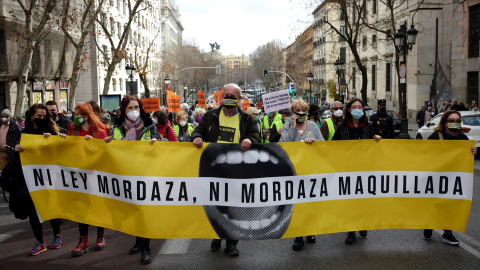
<point>357,113</point>
<point>105,115</point>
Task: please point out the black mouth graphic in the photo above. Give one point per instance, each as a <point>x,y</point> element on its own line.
<point>247,223</point>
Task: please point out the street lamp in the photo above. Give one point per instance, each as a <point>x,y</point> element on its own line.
<point>404,41</point>
<point>130,72</point>
<point>185,92</point>
<point>310,78</point>
<point>164,95</point>
<point>338,68</point>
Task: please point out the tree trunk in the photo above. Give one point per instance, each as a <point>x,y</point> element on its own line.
<point>75,76</point>
<point>22,80</point>
<point>363,91</point>
<point>143,79</point>
<point>106,84</point>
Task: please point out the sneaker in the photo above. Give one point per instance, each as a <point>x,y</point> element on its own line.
<point>363,233</point>
<point>298,243</point>
<point>37,249</point>
<point>448,238</point>
<point>231,250</point>
<point>216,244</point>
<point>57,241</point>
<point>351,237</point>
<point>427,233</point>
<point>311,239</point>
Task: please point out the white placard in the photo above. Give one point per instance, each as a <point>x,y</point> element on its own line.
<point>402,80</point>
<point>276,101</point>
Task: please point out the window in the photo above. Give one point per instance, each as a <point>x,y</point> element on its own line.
<point>364,8</point>
<point>3,51</point>
<point>374,78</point>
<point>121,84</point>
<point>342,31</point>
<point>341,15</point>
<point>472,86</point>
<point>354,81</point>
<point>364,43</point>
<point>374,6</point>
<point>388,78</point>
<point>343,54</point>
<point>474,31</point>
<point>374,41</point>
<point>114,84</point>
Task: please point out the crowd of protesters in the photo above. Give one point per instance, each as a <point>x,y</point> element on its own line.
<point>129,121</point>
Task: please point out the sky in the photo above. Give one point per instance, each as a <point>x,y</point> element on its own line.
<point>240,26</point>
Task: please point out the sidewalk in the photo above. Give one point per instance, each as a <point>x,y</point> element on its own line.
<point>412,130</point>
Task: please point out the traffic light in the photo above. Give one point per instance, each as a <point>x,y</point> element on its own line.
<point>265,73</point>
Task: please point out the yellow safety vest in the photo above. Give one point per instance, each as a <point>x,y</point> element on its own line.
<point>177,129</point>
<point>331,128</point>
<point>276,119</point>
<point>117,135</point>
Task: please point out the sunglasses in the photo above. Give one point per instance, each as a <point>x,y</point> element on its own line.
<point>336,109</point>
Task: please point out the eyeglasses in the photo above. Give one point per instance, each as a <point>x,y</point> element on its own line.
<point>454,120</point>
<point>336,109</point>
<point>356,107</point>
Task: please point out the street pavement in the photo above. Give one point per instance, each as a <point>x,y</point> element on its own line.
<point>381,249</point>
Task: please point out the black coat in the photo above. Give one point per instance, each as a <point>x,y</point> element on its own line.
<point>343,132</point>
<point>13,138</point>
<point>62,123</point>
<point>383,125</point>
<point>208,128</point>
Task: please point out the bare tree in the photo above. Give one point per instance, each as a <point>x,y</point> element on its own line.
<point>269,56</point>
<point>118,49</point>
<point>79,20</point>
<point>37,27</point>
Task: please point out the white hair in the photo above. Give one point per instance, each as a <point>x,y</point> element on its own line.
<point>7,111</point>
<point>333,104</point>
<point>198,110</point>
<point>184,107</point>
<point>236,87</point>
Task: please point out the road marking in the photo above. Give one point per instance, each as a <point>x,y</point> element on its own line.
<point>175,246</point>
<point>463,245</point>
<point>6,236</point>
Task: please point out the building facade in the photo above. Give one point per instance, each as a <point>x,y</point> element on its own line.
<point>51,66</point>
<point>154,30</point>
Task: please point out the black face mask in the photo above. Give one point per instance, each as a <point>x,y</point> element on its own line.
<point>230,101</point>
<point>54,116</point>
<point>382,110</point>
<point>40,122</point>
<point>301,117</point>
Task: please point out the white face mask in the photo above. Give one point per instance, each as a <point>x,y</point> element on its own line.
<point>133,115</point>
<point>338,113</point>
<point>154,121</point>
<point>183,123</point>
<point>5,119</point>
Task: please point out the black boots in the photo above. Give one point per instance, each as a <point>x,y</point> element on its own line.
<point>142,245</point>
<point>136,248</point>
<point>145,251</point>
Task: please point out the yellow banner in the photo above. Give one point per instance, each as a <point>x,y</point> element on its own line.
<point>174,190</point>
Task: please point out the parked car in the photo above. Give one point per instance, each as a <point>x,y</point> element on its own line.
<point>470,126</point>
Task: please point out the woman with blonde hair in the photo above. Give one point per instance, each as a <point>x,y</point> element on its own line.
<point>182,128</point>
<point>300,129</point>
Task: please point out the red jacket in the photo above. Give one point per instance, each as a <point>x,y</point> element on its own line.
<point>162,130</point>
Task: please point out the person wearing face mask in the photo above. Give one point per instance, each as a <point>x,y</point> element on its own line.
<point>355,126</point>
<point>134,124</point>
<point>276,133</point>
<point>382,122</point>
<point>10,133</point>
<point>300,129</point>
<point>449,128</point>
<point>87,124</point>
<point>69,115</point>
<point>227,124</point>
<point>39,121</point>
<point>182,128</point>
<point>165,129</point>
<point>197,116</point>
<point>61,121</point>
<point>268,121</point>
<point>329,126</point>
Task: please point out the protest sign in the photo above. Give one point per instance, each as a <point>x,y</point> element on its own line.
<point>276,101</point>
<point>151,104</point>
<point>284,190</point>
<point>173,102</point>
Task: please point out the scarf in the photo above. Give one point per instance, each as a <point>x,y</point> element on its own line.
<point>131,127</point>
<point>352,126</point>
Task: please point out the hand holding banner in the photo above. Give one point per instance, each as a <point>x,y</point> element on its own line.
<point>173,102</point>
<point>201,99</point>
